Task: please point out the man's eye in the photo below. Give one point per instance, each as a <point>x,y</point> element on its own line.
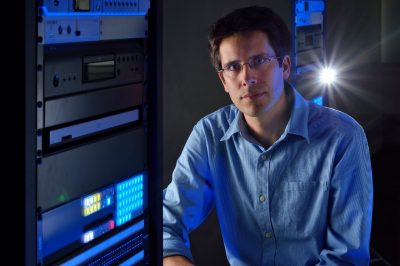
<point>259,61</point>
<point>233,67</point>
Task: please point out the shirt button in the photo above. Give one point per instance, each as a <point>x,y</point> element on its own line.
<point>268,234</point>
<point>262,198</point>
<point>263,157</point>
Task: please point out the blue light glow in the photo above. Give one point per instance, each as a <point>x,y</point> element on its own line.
<point>89,14</point>
<point>129,194</point>
<point>136,258</point>
<point>104,245</point>
<point>318,100</point>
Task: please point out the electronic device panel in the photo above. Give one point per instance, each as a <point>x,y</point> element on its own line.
<point>309,41</point>
<point>72,21</point>
<point>309,47</point>
<point>91,217</point>
<point>92,177</point>
<point>77,68</point>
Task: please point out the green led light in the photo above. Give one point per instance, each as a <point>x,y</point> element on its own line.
<point>62,198</point>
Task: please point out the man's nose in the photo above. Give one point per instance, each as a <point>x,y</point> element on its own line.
<point>248,75</point>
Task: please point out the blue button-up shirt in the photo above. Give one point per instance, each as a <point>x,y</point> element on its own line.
<point>305,200</point>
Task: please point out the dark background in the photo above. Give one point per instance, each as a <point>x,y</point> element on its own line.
<point>362,39</point>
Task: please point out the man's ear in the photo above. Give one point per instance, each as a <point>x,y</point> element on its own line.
<point>221,77</point>
<point>286,64</point>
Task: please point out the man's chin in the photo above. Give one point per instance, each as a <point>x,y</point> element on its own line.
<point>252,112</point>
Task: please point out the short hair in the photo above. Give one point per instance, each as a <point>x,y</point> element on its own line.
<point>253,18</point>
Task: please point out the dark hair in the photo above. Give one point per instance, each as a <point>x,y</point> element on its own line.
<point>242,20</point>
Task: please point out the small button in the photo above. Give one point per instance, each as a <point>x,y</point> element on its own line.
<point>263,157</point>
<point>268,234</point>
<point>262,198</point>
<point>56,80</point>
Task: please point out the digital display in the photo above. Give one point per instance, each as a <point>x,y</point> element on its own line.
<point>97,201</point>
<point>98,68</point>
<point>97,231</point>
<point>82,5</point>
<point>129,199</point>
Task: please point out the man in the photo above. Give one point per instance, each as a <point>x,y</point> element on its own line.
<point>290,180</point>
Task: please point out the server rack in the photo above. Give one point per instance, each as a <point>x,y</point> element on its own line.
<point>91,130</point>
<point>309,56</point>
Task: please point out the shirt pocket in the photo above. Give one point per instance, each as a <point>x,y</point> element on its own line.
<point>305,208</point>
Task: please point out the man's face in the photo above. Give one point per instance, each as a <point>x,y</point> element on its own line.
<point>253,91</point>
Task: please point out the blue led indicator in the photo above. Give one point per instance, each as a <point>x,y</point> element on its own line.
<point>129,199</point>
<point>318,100</point>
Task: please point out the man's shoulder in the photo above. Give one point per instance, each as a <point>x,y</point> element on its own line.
<point>333,120</point>
<point>222,117</point>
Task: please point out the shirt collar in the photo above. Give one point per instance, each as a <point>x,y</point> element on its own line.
<point>298,121</point>
<point>235,126</point>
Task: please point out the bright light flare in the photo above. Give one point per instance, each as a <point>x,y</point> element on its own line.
<point>327,76</point>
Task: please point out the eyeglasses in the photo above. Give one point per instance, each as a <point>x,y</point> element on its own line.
<point>258,62</point>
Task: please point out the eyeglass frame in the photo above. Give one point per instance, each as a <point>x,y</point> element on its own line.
<point>268,59</point>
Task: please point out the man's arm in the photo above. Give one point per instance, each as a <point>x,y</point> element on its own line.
<point>350,205</point>
<point>188,199</point>
<point>176,261</point>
